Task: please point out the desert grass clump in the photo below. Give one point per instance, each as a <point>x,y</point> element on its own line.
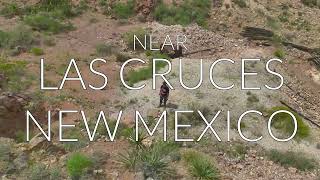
<point>45,22</point>
<point>37,51</point>
<point>284,122</point>
<point>77,164</point>
<point>279,53</point>
<point>38,172</point>
<point>104,49</point>
<point>74,133</point>
<point>122,57</point>
<point>10,10</point>
<point>194,118</point>
<point>15,74</point>
<point>189,11</point>
<point>200,166</point>
<point>123,10</point>
<point>240,3</point>
<point>152,161</point>
<point>141,34</point>
<point>21,37</point>
<point>292,159</point>
<point>145,73</point>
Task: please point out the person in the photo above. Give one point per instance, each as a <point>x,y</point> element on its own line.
<point>164,94</point>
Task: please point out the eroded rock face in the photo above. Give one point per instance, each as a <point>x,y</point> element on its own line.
<point>12,114</point>
<point>145,7</point>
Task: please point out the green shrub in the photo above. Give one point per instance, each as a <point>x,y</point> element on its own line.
<point>123,10</point>
<point>20,136</point>
<point>188,12</point>
<point>10,10</point>
<point>77,164</point>
<point>104,49</point>
<point>141,34</point>
<point>240,3</point>
<point>292,159</point>
<point>279,53</point>
<point>55,8</point>
<point>151,161</point>
<point>200,166</point>
<point>145,73</point>
<point>20,36</point>
<point>284,122</point>
<point>44,22</point>
<point>14,71</point>
<point>37,51</point>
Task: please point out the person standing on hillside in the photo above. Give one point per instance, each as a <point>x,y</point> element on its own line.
<point>164,94</point>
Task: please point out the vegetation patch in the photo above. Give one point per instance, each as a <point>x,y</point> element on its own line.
<point>123,10</point>
<point>145,73</point>
<point>240,3</point>
<point>14,73</point>
<point>189,11</point>
<point>77,165</point>
<point>141,35</point>
<point>10,10</point>
<point>292,159</point>
<point>37,51</point>
<point>20,39</point>
<point>279,53</point>
<point>152,161</point>
<point>284,122</point>
<point>44,22</point>
<point>311,3</point>
<point>104,49</point>
<point>200,166</point>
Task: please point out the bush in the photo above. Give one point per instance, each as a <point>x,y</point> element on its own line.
<point>145,73</point>
<point>104,49</point>
<point>20,136</point>
<point>200,166</point>
<point>190,11</point>
<point>10,10</point>
<point>56,8</point>
<point>140,33</point>
<point>240,3</point>
<point>20,36</point>
<point>292,159</point>
<point>311,3</point>
<point>44,22</point>
<point>14,71</point>
<point>151,160</point>
<point>283,121</point>
<point>121,57</point>
<point>279,53</point>
<point>77,164</point>
<point>123,10</point>
<point>37,51</point>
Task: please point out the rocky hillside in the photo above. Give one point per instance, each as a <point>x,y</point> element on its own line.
<point>60,30</point>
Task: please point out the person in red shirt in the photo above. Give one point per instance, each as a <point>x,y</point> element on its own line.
<point>164,94</point>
